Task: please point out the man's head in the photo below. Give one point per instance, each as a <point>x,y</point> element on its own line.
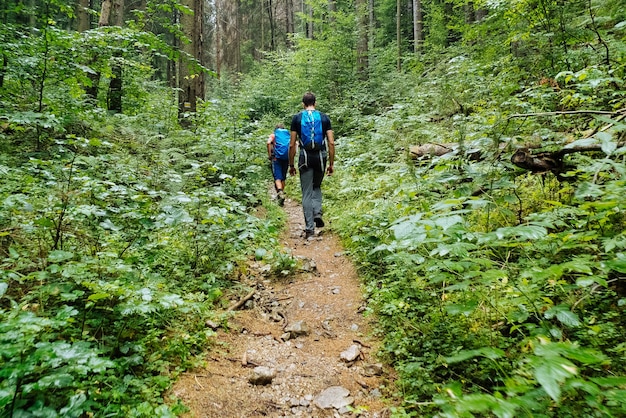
<point>308,99</point>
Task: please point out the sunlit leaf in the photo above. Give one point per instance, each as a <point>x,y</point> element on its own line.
<point>487,352</point>
<point>59,256</point>
<point>564,315</point>
<point>462,308</point>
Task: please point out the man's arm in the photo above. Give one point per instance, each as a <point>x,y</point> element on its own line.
<point>293,145</point>
<point>330,137</point>
<point>270,146</point>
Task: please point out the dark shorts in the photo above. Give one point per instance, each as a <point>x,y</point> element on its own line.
<point>279,168</point>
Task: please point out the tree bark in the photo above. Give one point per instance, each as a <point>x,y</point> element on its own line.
<point>372,23</point>
<point>289,20</point>
<point>83,20</point>
<point>362,43</point>
<point>470,16</point>
<point>481,14</point>
<point>418,26</point>
<point>191,78</point>
<point>238,36</point>
<point>5,62</point>
<point>399,34</point>
<point>117,13</point>
<point>105,13</point>
<point>110,11</point>
<point>310,23</point>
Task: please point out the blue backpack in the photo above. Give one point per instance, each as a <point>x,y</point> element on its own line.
<point>281,144</point>
<point>311,135</point>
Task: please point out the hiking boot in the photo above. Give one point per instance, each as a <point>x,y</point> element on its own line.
<point>319,222</point>
<point>281,198</point>
<point>309,234</point>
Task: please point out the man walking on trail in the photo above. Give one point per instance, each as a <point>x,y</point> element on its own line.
<point>278,154</point>
<point>312,133</point>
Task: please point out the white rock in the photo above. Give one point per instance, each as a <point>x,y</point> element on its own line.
<point>262,375</point>
<point>333,397</point>
<point>351,354</point>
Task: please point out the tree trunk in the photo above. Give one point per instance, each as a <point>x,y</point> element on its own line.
<point>289,20</point>
<point>218,39</point>
<point>83,20</point>
<point>117,13</point>
<point>109,9</point>
<point>399,33</point>
<point>261,15</point>
<point>105,13</point>
<point>114,95</point>
<point>272,21</point>
<point>238,28</point>
<point>191,78</point>
<point>371,23</point>
<point>418,26</point>
<point>114,98</point>
<point>480,14</point>
<point>310,23</point>
<point>5,61</point>
<point>92,91</point>
<point>470,15</point>
<point>362,42</point>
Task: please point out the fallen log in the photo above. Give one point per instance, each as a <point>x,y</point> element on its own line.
<point>430,150</point>
<point>544,162</point>
<point>437,150</point>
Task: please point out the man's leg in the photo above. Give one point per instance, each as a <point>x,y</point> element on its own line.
<point>316,196</point>
<point>306,184</point>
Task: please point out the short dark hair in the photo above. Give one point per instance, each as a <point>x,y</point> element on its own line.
<point>308,99</point>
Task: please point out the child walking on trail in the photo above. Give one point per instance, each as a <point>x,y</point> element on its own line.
<point>278,154</point>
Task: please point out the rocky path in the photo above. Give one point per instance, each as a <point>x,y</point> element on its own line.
<point>300,348</point>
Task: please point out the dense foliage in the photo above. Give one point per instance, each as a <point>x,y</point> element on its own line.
<point>499,292</point>
<point>120,235</point>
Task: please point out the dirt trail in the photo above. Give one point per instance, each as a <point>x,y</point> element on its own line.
<point>327,298</point>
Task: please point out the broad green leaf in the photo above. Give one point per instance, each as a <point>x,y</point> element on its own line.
<point>74,407</point>
<point>550,372</point>
<point>584,142</point>
<point>98,296</point>
<point>607,143</point>
<point>618,264</point>
<point>59,256</point>
<point>109,225</point>
<point>407,228</point>
<point>3,288</point>
<point>171,300</point>
<point>260,253</point>
<point>526,232</point>
<point>486,403</point>
<point>488,352</point>
<point>464,308</point>
<point>446,222</point>
<point>56,380</point>
<point>589,190</point>
<point>564,315</point>
<point>613,381</point>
